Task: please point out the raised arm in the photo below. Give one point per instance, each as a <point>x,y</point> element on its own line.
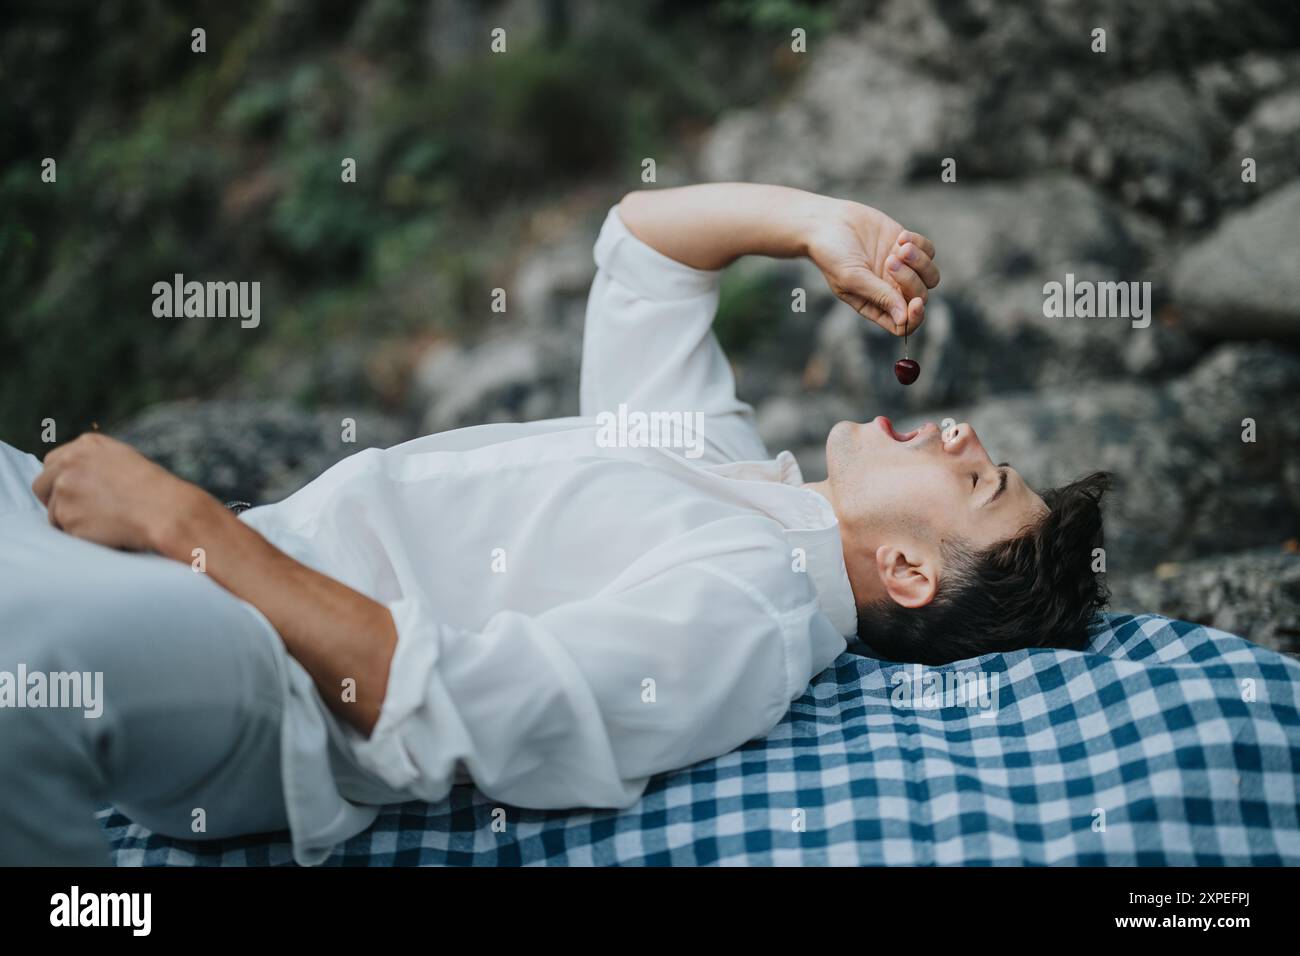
<point>880,269</point>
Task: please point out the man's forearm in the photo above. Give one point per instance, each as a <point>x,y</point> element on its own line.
<point>335,632</point>
<point>711,225</point>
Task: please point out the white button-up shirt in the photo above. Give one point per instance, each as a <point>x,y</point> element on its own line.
<point>577,606</point>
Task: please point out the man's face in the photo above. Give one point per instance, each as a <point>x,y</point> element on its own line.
<point>900,496</point>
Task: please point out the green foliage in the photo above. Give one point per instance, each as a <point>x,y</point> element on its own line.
<point>225,165</point>
<point>749,310</point>
<point>778,16</point>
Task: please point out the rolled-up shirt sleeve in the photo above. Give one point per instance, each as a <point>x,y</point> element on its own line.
<point>649,343</point>
<point>579,706</point>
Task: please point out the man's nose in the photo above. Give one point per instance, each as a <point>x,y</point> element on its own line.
<point>961,439</point>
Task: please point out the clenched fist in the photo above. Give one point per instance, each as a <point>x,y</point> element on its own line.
<point>103,490</point>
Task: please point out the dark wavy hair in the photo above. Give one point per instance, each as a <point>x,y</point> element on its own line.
<point>1037,589</point>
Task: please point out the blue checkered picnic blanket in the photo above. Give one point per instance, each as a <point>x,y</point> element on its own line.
<point>1163,743</point>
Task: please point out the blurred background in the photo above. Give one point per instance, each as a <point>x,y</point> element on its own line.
<point>479,170</point>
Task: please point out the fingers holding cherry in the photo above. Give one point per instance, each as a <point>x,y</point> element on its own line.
<point>911,267</point>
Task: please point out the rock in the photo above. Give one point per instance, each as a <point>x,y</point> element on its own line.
<point>515,375</point>
<point>1233,85</point>
<point>552,284</point>
<point>1268,136</point>
<point>1243,280</point>
<point>1242,493</point>
<point>966,38</point>
<point>257,452</point>
<point>857,115</point>
<point>1148,120</point>
<point>1152,142</point>
<point>1257,93</point>
<point>1144,118</point>
<point>1255,594</point>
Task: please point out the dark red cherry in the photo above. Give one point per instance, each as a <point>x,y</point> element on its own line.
<point>906,371</point>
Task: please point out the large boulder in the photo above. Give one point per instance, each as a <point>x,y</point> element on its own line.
<point>1243,279</point>
<point>859,114</point>
<point>1255,594</point>
<point>967,38</point>
<point>1257,93</point>
<point>1152,142</point>
<point>1160,120</point>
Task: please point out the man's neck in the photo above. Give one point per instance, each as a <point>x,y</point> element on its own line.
<point>822,488</point>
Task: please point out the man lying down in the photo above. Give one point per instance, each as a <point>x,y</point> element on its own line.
<point>535,608</point>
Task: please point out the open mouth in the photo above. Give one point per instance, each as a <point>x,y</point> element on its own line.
<point>888,428</point>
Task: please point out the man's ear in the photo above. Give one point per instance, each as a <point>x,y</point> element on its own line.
<point>909,583</point>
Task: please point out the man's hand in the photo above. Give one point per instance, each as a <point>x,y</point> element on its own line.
<point>883,271</point>
<point>100,489</point>
<point>871,262</point>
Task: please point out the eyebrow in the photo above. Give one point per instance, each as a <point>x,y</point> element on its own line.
<point>1002,484</point>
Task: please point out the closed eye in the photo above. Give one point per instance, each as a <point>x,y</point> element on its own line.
<point>1002,484</point>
